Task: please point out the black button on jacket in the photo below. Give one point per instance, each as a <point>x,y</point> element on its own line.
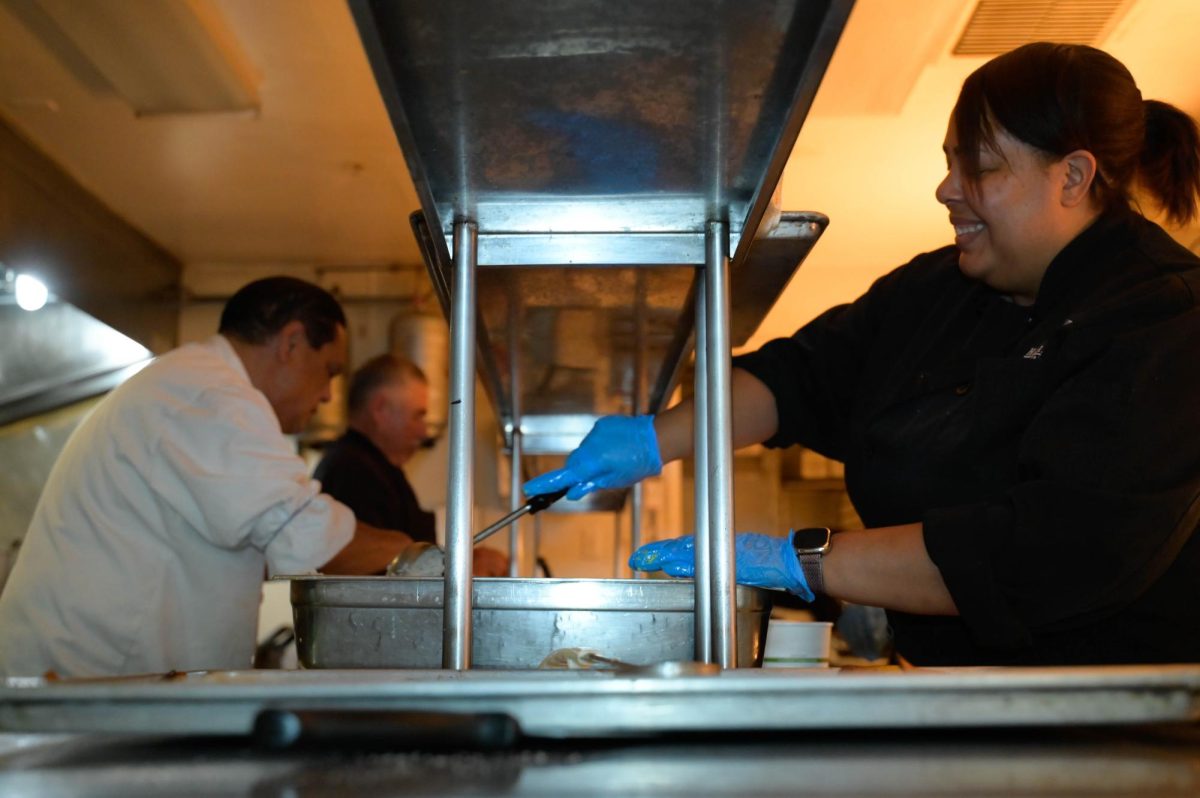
<point>1052,452</point>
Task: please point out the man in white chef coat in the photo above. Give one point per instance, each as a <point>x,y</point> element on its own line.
<point>147,550</point>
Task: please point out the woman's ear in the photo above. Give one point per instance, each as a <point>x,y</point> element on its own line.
<point>1080,174</point>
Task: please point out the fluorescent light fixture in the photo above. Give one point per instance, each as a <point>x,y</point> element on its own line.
<point>161,56</point>
<point>31,292</point>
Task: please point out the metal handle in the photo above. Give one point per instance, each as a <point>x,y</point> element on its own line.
<point>279,729</point>
<point>535,505</point>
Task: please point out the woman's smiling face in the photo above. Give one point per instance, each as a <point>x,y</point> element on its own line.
<point>1007,221</point>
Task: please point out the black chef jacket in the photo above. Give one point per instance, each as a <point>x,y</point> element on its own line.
<point>355,472</point>
<point>1052,452</point>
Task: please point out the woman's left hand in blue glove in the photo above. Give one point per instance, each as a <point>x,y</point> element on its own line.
<point>762,561</point>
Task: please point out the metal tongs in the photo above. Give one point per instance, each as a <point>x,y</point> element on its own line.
<point>426,559</point>
<point>535,505</point>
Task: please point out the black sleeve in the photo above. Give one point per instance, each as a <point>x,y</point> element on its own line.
<point>816,374</point>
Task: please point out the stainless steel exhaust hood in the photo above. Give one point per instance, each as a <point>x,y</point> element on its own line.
<point>58,355</point>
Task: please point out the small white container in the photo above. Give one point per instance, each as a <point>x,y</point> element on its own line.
<point>797,644</point>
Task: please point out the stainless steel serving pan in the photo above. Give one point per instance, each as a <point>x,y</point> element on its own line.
<point>391,622</point>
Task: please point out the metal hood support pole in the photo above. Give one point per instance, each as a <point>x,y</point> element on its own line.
<point>460,492</point>
<point>720,447</point>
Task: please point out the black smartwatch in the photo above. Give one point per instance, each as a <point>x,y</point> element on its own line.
<point>811,543</point>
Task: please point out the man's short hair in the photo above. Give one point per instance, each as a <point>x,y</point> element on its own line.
<point>377,372</point>
<point>259,310</point>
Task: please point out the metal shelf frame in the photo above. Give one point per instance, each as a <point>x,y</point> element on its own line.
<point>595,177</point>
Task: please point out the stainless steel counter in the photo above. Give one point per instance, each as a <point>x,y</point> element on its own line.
<point>564,704</point>
<point>1113,731</point>
<point>1160,760</point>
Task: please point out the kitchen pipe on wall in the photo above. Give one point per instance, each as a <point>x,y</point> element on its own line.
<point>424,339</point>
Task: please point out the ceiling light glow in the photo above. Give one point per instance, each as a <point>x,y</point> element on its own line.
<point>31,292</point>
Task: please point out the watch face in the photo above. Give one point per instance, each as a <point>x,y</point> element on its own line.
<point>811,539</point>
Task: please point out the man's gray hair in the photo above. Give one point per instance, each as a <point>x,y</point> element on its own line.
<point>377,372</point>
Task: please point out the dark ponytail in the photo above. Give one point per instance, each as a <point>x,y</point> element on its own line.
<point>1169,166</point>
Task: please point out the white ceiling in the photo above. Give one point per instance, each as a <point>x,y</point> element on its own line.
<point>316,177</point>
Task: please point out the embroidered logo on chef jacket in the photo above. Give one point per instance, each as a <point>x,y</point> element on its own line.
<point>1035,352</point>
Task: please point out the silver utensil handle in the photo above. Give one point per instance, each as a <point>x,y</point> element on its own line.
<point>487,532</point>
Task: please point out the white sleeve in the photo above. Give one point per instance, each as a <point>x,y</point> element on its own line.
<point>227,469</point>
<point>320,530</point>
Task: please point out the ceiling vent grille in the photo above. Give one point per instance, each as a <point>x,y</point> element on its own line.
<point>998,26</point>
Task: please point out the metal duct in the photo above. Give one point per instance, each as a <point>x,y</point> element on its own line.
<point>425,340</point>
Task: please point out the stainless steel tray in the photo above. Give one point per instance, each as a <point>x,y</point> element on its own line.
<point>592,704</point>
<point>390,622</point>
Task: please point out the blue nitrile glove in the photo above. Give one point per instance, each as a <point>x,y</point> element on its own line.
<point>619,451</point>
<point>761,561</point>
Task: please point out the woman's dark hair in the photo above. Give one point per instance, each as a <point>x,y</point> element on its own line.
<point>259,310</point>
<point>1059,98</point>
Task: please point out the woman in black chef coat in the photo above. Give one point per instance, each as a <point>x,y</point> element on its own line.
<point>1018,414</point>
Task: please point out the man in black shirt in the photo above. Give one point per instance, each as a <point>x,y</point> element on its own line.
<point>387,405</point>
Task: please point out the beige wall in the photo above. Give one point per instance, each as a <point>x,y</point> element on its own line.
<point>29,448</point>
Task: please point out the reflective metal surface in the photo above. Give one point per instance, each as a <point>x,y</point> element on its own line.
<point>574,340</point>
<point>703,549</point>
<point>380,622</point>
<point>589,704</point>
<point>578,330</point>
<point>717,439</point>
<point>456,642</point>
<point>58,355</point>
<point>592,148</point>
<point>425,339</point>
<point>597,117</point>
<point>1020,763</point>
<point>591,140</point>
<point>34,443</point>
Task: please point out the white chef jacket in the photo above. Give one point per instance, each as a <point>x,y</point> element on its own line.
<point>148,546</point>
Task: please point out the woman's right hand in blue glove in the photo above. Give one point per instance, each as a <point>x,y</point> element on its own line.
<point>619,451</point>
<point>761,561</point>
